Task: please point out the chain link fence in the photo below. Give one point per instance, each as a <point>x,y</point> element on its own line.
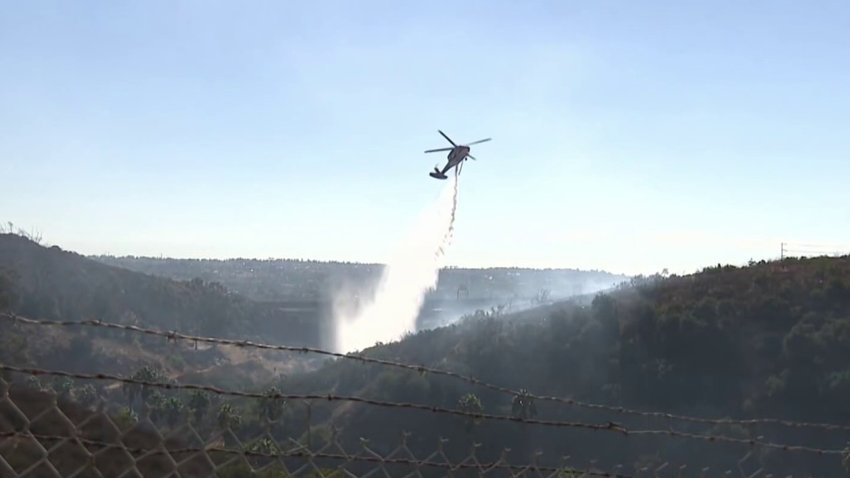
<point>54,434</point>
<point>71,429</point>
<point>61,424</point>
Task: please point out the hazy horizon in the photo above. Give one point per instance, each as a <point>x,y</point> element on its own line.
<point>827,250</point>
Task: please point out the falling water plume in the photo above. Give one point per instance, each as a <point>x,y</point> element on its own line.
<point>409,274</point>
<point>447,237</point>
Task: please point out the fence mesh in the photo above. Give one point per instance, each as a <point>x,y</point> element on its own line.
<point>55,423</point>
<point>173,336</point>
<point>73,430</point>
<point>45,434</point>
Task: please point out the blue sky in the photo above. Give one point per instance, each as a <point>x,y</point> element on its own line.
<point>627,136</point>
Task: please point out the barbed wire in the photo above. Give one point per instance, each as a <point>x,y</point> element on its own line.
<point>173,335</point>
<point>610,426</point>
<point>311,397</point>
<point>307,454</point>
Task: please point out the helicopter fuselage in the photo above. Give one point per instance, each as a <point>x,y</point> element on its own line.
<point>457,154</point>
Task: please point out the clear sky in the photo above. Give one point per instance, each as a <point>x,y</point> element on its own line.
<point>627,136</point>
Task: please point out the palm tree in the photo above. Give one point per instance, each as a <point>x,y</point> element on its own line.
<point>199,402</point>
<point>228,416</point>
<point>271,406</point>
<point>144,374</point>
<point>228,419</point>
<point>470,403</point>
<point>263,446</point>
<point>523,405</point>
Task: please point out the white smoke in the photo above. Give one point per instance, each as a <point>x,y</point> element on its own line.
<point>412,270</point>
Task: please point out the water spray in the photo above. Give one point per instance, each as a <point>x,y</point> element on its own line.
<point>409,274</point>
<point>447,237</point>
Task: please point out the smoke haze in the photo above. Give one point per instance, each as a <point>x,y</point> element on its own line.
<point>410,273</point>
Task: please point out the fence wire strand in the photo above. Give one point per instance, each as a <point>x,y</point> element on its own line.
<point>173,335</point>
<point>25,451</point>
<point>611,427</point>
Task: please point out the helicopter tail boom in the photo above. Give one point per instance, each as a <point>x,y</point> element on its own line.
<point>437,174</point>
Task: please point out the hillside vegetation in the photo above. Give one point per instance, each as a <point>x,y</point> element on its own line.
<point>52,284</point>
<point>771,339</point>
<point>305,280</point>
<point>768,340</point>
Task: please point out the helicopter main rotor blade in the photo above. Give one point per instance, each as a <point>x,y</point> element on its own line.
<point>447,138</point>
<point>471,157</point>
<point>437,150</point>
<point>479,141</point>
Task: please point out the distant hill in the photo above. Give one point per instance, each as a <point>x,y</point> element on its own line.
<point>304,280</point>
<point>56,284</point>
<point>53,284</point>
<point>767,340</point>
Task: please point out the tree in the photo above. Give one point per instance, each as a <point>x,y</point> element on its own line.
<point>144,374</point>
<point>126,418</point>
<point>228,417</point>
<point>271,406</point>
<point>199,403</point>
<point>154,402</point>
<point>86,395</point>
<point>523,405</point>
<point>470,403</point>
<point>33,383</point>
<point>63,387</point>
<point>263,446</point>
<point>172,408</point>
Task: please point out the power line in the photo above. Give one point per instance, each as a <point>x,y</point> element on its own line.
<point>801,249</point>
<point>434,371</point>
<point>821,246</point>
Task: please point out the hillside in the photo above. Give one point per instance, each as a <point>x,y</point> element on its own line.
<point>309,288</point>
<point>768,340</point>
<point>52,284</point>
<point>304,280</point>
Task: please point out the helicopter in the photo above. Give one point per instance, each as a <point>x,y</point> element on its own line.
<point>457,155</point>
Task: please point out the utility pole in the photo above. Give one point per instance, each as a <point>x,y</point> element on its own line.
<point>781,251</point>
